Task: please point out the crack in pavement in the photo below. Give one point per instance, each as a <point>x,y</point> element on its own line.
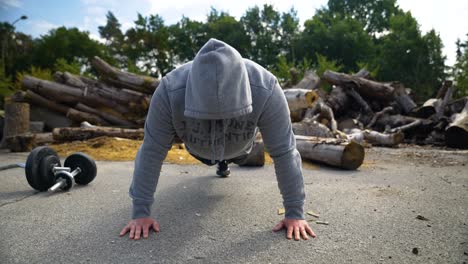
<point>17,200</point>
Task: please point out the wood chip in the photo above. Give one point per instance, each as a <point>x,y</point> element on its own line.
<point>311,213</point>
<point>321,223</point>
<point>281,211</point>
<point>420,217</point>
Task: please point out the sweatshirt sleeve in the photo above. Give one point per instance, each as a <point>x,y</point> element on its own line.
<point>158,138</point>
<point>276,129</point>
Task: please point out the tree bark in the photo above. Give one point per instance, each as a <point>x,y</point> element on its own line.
<point>57,90</point>
<point>402,98</point>
<point>88,132</point>
<point>144,84</point>
<point>377,138</point>
<point>310,81</point>
<point>73,114</point>
<point>135,100</point>
<point>338,100</point>
<point>366,88</point>
<point>339,153</point>
<point>456,135</point>
<point>16,120</point>
<point>311,128</point>
<point>106,116</point>
<point>299,99</point>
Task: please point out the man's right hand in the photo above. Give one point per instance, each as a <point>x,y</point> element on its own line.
<point>135,227</point>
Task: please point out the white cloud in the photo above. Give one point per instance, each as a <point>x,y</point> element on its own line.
<point>40,27</point>
<point>6,4</point>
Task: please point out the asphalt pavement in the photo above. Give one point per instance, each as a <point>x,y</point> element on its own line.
<point>372,214</point>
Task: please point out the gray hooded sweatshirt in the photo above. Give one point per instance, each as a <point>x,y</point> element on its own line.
<point>216,104</point>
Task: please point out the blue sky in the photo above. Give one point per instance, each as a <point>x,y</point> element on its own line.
<point>448,18</point>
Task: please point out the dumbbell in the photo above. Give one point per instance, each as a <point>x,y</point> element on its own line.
<point>45,172</point>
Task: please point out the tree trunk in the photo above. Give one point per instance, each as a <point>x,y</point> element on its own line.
<point>377,138</point>
<point>339,153</point>
<point>57,90</point>
<point>299,99</point>
<point>402,98</point>
<point>369,89</point>
<point>311,128</point>
<point>456,135</point>
<point>106,116</point>
<point>144,84</point>
<point>134,100</point>
<point>88,132</point>
<point>338,100</point>
<point>69,112</point>
<point>16,120</point>
<point>310,81</point>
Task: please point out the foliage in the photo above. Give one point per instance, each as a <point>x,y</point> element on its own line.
<point>460,69</point>
<point>344,35</point>
<point>63,66</point>
<point>40,73</point>
<point>324,64</point>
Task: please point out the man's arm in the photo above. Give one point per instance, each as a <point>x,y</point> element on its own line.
<point>159,135</point>
<point>276,129</point>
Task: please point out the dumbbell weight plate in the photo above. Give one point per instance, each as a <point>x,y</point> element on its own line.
<point>85,163</point>
<point>38,168</point>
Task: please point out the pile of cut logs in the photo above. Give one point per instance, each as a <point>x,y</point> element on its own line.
<point>331,128</point>
<point>364,110</point>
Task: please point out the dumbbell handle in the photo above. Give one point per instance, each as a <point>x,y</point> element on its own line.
<point>61,182</point>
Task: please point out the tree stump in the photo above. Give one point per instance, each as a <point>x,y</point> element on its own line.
<point>16,120</point>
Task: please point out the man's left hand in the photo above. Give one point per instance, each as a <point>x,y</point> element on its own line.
<point>295,227</point>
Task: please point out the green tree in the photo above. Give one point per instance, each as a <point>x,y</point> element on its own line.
<point>147,44</point>
<point>113,35</point>
<point>222,26</point>
<point>263,28</point>
<point>70,44</point>
<point>407,56</point>
<point>338,38</point>
<point>186,38</point>
<point>460,69</point>
<point>374,15</point>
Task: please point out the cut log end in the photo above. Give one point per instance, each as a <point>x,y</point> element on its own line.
<point>311,98</point>
<point>456,137</point>
<point>353,156</point>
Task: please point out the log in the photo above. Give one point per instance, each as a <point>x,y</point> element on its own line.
<point>57,90</point>
<point>299,99</point>
<point>309,127</point>
<point>114,76</point>
<point>256,157</point>
<point>443,90</point>
<point>338,100</point>
<point>28,141</point>
<point>88,132</point>
<point>377,138</point>
<point>440,109</point>
<point>427,109</point>
<point>402,98</point>
<point>135,100</point>
<point>106,116</point>
<point>16,121</point>
<point>335,152</point>
<point>377,115</point>
<point>310,81</point>
<point>73,114</point>
<point>366,88</point>
<point>456,135</point>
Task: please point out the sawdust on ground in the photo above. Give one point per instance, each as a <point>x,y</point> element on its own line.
<point>121,149</point>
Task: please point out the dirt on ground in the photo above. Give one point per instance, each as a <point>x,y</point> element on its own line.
<point>121,149</point>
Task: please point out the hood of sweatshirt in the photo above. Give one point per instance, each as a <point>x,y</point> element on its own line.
<point>218,84</point>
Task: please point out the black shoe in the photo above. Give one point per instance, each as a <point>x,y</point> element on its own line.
<point>223,169</point>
